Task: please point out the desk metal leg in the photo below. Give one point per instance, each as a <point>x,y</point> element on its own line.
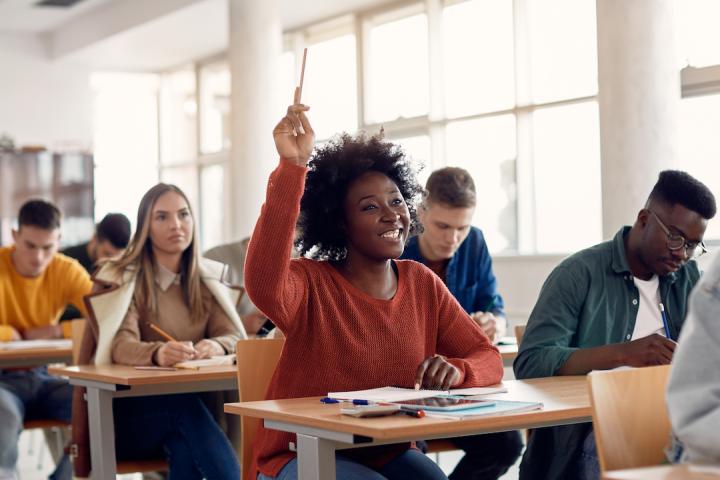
<point>102,433</point>
<point>316,458</point>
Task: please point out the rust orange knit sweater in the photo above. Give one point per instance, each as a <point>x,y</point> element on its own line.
<point>338,337</point>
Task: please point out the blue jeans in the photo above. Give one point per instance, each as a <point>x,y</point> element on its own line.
<point>588,466</point>
<point>179,428</point>
<point>487,457</point>
<point>409,464</point>
<point>28,395</point>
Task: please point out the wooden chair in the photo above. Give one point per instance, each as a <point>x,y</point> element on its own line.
<point>630,416</point>
<point>519,332</point>
<point>256,361</point>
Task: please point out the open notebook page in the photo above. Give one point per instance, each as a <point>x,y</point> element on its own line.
<point>207,362</point>
<point>396,394</point>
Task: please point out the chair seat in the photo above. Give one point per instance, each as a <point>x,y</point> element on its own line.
<point>44,423</point>
<point>441,445</point>
<point>140,466</point>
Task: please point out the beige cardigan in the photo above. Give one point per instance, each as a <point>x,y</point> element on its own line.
<point>107,307</point>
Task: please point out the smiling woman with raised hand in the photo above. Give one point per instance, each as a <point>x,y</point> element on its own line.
<point>160,303</point>
<point>356,317</point>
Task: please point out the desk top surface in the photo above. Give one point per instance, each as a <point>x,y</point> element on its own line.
<point>127,375</point>
<point>663,472</point>
<point>35,353</point>
<point>565,400</point>
<point>508,352</point>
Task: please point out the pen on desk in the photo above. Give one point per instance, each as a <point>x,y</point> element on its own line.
<point>354,402</point>
<point>161,332</point>
<point>412,412</point>
<point>664,320</point>
<point>163,369</point>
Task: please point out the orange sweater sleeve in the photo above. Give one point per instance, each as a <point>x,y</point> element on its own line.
<point>276,284</point>
<point>465,344</point>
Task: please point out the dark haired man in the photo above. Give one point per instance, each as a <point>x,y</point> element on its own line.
<point>600,309</point>
<point>35,285</point>
<point>111,237</point>
<point>456,251</point>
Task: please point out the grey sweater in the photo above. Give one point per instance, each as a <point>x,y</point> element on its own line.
<point>694,388</point>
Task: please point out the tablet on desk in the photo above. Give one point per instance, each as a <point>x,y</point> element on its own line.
<point>443,403</point>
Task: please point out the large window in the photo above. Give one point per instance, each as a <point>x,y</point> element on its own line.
<point>492,86</point>
<point>194,106</point>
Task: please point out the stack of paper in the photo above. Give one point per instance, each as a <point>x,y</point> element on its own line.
<point>207,362</point>
<point>397,394</point>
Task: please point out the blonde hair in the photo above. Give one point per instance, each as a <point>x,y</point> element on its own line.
<point>139,258</point>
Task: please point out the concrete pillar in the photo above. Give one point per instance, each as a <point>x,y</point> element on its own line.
<point>639,96</point>
<point>254,50</point>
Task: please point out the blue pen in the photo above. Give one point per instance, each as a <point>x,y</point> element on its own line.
<point>664,319</point>
<point>329,400</point>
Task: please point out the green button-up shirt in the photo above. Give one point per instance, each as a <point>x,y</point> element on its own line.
<point>590,300</point>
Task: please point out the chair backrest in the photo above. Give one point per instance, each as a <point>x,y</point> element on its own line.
<point>630,417</point>
<point>519,332</point>
<point>256,361</point>
<point>77,327</point>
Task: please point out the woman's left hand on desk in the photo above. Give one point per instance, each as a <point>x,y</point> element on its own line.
<point>208,348</point>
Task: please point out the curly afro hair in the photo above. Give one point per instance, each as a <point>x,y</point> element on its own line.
<point>333,167</point>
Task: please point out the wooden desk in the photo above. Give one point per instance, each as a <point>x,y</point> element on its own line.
<point>33,357</point>
<point>103,383</point>
<point>664,472</point>
<point>321,429</point>
<point>508,354</point>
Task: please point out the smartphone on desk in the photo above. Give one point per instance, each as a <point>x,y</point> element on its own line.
<point>442,403</point>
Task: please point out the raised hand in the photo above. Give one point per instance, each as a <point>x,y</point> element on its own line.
<point>293,135</point>
<point>651,350</point>
<point>436,373</point>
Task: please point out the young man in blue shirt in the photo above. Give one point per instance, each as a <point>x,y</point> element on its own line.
<point>456,251</point>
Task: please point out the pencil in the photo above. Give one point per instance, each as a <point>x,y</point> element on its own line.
<point>161,332</point>
<point>302,74</point>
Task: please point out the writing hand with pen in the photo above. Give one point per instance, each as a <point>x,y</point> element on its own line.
<point>436,373</point>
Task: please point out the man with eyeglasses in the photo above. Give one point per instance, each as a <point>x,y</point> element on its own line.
<point>600,309</point>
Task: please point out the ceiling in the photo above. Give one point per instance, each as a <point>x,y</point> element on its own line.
<point>22,16</point>
<point>114,35</point>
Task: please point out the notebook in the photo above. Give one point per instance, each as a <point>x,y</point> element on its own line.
<point>207,362</point>
<point>397,394</point>
<point>501,407</point>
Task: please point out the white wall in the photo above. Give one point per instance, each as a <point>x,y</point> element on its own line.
<point>520,279</point>
<point>41,101</point>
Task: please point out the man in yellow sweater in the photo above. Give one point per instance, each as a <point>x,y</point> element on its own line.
<point>36,283</point>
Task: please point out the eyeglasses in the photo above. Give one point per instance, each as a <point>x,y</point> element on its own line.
<point>676,242</point>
